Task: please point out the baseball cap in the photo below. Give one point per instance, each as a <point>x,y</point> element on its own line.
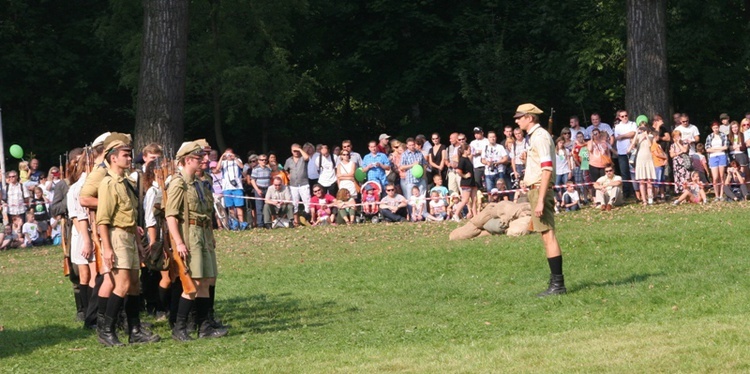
<point>478,129</point>
<point>494,191</point>
<point>384,136</point>
<point>724,116</point>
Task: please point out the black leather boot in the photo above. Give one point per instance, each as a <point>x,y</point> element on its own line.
<point>140,334</point>
<point>99,323</point>
<point>208,331</point>
<point>179,331</point>
<point>215,323</point>
<point>107,335</point>
<point>556,286</point>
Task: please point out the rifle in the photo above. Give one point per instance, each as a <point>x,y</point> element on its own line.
<point>92,220</point>
<point>64,243</point>
<point>178,265</point>
<point>550,122</point>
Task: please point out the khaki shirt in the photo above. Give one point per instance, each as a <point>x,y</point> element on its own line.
<point>118,205</point>
<point>93,180</point>
<point>540,156</point>
<point>188,188</point>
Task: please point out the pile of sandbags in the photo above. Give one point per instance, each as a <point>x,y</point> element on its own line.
<point>504,217</point>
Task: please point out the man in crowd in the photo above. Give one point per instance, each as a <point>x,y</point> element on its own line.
<point>411,158</point>
<point>689,132</point>
<point>608,189</point>
<point>383,140</point>
<point>260,179</point>
<point>393,206</point>
<point>354,157</point>
<point>624,133</point>
<point>277,203</point>
<point>296,168</point>
<point>494,157</point>
<point>575,127</point>
<point>231,183</point>
<point>375,164</point>
<point>597,124</point>
<point>454,179</point>
<point>478,146</point>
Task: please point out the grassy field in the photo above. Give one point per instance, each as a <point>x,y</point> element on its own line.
<point>657,289</point>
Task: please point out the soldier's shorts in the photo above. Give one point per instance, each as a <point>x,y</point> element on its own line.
<point>126,251</point>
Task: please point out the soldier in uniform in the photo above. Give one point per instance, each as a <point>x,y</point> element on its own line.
<point>539,180</point>
<point>116,218</point>
<point>193,240</point>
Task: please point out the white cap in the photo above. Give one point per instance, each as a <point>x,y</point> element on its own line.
<point>384,136</point>
<point>494,191</point>
<point>100,139</point>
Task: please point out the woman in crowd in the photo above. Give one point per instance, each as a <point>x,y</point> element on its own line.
<point>569,142</point>
<point>716,146</point>
<point>326,166</point>
<point>347,209</point>
<point>737,147</point>
<point>699,163</point>
<point>599,154</point>
<point>517,153</point>
<point>435,158</point>
<point>734,186</point>
<point>465,170</point>
<point>644,164</point>
<point>345,173</point>
<point>397,175</point>
<point>581,165</point>
<point>277,169</point>
<point>681,162</point>
<point>564,171</point>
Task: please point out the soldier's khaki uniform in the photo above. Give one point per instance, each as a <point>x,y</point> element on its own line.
<point>200,240</point>
<point>540,156</point>
<point>118,208</point>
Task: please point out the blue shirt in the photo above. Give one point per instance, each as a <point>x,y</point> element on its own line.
<point>409,158</point>
<point>376,173</point>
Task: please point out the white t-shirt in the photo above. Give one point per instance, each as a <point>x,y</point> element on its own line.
<point>573,196</point>
<point>477,146</point>
<point>230,171</point>
<point>745,135</point>
<point>30,229</point>
<point>326,167</point>
<point>689,133</point>
<point>494,153</point>
<point>621,129</point>
<point>562,165</point>
<point>438,206</point>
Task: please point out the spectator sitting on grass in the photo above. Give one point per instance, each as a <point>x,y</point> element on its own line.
<point>416,205</point>
<point>347,209</point>
<point>393,205</point>
<point>320,206</point>
<point>734,185</point>
<point>9,239</point>
<point>693,191</point>
<point>278,203</point>
<point>570,198</point>
<point>608,189</point>
<point>30,231</point>
<point>437,207</point>
<point>39,207</point>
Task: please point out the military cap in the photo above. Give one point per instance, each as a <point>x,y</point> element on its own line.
<point>189,148</point>
<point>525,109</point>
<point>203,143</point>
<point>117,140</point>
<point>100,139</point>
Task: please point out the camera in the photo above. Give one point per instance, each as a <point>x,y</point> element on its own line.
<point>233,182</point>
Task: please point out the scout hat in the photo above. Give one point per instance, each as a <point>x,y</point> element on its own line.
<point>203,143</point>
<point>527,108</point>
<point>117,140</point>
<point>100,139</point>
<point>189,148</point>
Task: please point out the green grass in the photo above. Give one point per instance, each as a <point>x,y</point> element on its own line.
<point>657,289</point>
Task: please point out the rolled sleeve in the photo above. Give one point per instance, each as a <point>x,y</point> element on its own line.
<point>105,210</point>
<point>176,194</point>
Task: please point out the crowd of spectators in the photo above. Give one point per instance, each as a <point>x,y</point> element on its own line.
<point>421,179</point>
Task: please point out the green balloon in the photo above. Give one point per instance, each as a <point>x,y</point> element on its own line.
<point>16,151</point>
<point>417,171</point>
<point>360,175</point>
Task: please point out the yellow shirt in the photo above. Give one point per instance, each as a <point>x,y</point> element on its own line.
<point>117,202</point>
<point>93,180</point>
<point>187,188</point>
<point>540,156</point>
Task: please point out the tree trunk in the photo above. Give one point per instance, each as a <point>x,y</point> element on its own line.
<point>161,85</point>
<point>216,85</point>
<point>647,90</point>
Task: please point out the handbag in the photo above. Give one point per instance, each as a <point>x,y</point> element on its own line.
<point>687,161</point>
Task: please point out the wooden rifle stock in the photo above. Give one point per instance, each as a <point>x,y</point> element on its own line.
<point>178,265</point>
<point>96,244</point>
<point>64,243</point>
<point>551,122</point>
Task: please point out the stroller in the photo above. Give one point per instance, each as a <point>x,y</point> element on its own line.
<point>370,196</point>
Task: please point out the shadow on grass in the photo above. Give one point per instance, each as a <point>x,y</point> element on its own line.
<point>635,278</point>
<point>22,342</point>
<point>264,313</point>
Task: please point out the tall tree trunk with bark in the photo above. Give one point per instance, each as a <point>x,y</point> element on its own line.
<point>647,89</point>
<point>161,85</point>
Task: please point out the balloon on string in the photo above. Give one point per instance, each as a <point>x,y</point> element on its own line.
<point>417,171</point>
<point>360,175</point>
<point>16,151</point>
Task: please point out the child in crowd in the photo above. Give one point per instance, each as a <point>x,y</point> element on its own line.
<point>693,190</point>
<point>570,198</point>
<point>39,206</point>
<point>23,172</point>
<point>324,215</point>
<point>493,196</point>
<point>416,205</point>
<point>439,186</point>
<point>500,186</point>
<point>369,200</point>
<point>437,211</point>
<point>699,162</point>
<point>455,198</point>
<point>30,231</point>
<point>10,239</point>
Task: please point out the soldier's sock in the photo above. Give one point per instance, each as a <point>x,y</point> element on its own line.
<point>183,309</point>
<point>201,309</point>
<point>555,265</point>
<point>103,302</point>
<point>176,301</point>
<point>164,294</point>
<point>84,290</point>
<point>212,297</point>
<point>113,306</point>
<point>132,310</point>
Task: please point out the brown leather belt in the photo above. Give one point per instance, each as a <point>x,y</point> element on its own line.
<point>199,223</point>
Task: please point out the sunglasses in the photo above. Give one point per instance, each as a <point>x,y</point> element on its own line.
<point>262,159</point>
<point>609,171</point>
<point>347,146</point>
<point>345,154</point>
<point>389,189</point>
<point>461,139</point>
<point>316,191</point>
